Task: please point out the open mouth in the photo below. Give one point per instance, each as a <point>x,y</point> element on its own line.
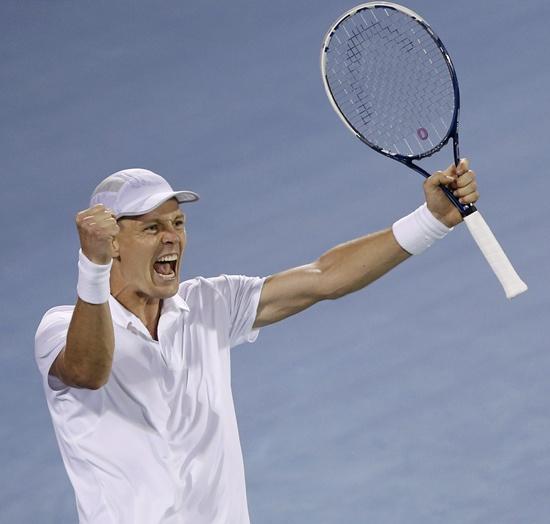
<point>165,266</point>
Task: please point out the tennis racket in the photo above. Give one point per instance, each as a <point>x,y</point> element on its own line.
<point>391,81</point>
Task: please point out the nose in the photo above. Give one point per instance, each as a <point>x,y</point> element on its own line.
<point>169,236</point>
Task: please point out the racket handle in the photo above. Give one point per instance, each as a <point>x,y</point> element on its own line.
<point>489,246</point>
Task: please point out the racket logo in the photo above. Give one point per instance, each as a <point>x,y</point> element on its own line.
<point>422,133</point>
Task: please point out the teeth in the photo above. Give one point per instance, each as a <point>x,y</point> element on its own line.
<point>171,276</point>
<point>168,258</point>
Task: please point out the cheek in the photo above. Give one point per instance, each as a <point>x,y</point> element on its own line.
<point>134,265</point>
<point>136,258</point>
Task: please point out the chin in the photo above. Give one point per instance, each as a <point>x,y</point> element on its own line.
<point>167,291</point>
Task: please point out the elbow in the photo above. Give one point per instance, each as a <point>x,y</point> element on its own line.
<point>94,385</point>
<point>89,380</point>
<point>83,369</point>
<point>334,292</point>
<point>331,284</point>
<point>85,378</point>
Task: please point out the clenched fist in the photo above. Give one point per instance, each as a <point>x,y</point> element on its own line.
<point>97,228</point>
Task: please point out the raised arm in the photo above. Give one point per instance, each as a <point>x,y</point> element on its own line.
<point>87,357</point>
<point>341,270</point>
<point>355,264</point>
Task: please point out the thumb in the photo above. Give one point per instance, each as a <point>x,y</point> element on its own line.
<point>463,166</point>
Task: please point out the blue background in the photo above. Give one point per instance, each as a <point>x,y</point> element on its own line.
<point>424,398</point>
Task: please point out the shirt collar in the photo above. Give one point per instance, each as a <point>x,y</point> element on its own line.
<point>174,303</point>
<point>125,318</point>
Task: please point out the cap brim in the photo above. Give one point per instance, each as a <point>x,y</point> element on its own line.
<point>146,205</point>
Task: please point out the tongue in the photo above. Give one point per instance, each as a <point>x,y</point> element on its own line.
<point>164,268</point>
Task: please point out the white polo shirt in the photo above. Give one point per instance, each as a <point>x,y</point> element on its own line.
<point>159,442</point>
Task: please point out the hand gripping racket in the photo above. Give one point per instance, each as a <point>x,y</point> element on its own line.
<point>391,81</point>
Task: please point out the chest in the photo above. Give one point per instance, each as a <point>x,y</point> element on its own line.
<point>163,385</point>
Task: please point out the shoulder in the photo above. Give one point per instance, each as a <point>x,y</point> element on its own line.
<point>205,287</point>
<point>55,318</point>
<point>224,288</point>
<point>217,285</point>
<point>51,335</point>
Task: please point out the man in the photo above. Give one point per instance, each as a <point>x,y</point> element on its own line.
<point>137,373</point>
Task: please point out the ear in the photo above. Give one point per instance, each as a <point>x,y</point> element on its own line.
<point>115,248</point>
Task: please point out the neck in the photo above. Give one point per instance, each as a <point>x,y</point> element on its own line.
<point>147,309</point>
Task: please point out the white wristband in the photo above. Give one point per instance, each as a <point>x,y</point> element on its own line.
<point>93,280</point>
<point>418,231</point>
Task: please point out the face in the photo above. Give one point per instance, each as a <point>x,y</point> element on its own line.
<point>150,248</point>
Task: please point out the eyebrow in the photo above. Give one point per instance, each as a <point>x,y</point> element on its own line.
<point>139,220</point>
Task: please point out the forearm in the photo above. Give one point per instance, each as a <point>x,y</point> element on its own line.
<point>341,270</point>
<point>88,354</point>
<point>353,265</point>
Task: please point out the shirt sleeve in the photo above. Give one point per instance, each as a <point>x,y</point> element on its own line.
<point>242,296</point>
<point>50,339</point>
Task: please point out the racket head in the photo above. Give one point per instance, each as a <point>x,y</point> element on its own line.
<point>391,81</point>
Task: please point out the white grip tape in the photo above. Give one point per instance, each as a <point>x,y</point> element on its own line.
<point>489,246</point>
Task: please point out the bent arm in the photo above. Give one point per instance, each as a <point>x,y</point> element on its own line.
<point>342,270</point>
<point>87,357</point>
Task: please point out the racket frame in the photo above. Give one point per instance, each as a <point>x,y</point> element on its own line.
<point>452,132</point>
<point>480,231</point>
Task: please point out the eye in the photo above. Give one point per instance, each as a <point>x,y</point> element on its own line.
<point>153,228</point>
<point>179,223</point>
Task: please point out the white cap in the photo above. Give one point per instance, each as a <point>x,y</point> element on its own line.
<point>135,192</point>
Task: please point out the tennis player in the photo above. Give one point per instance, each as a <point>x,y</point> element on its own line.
<point>137,373</point>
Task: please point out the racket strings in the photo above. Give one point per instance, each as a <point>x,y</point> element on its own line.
<point>391,81</point>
